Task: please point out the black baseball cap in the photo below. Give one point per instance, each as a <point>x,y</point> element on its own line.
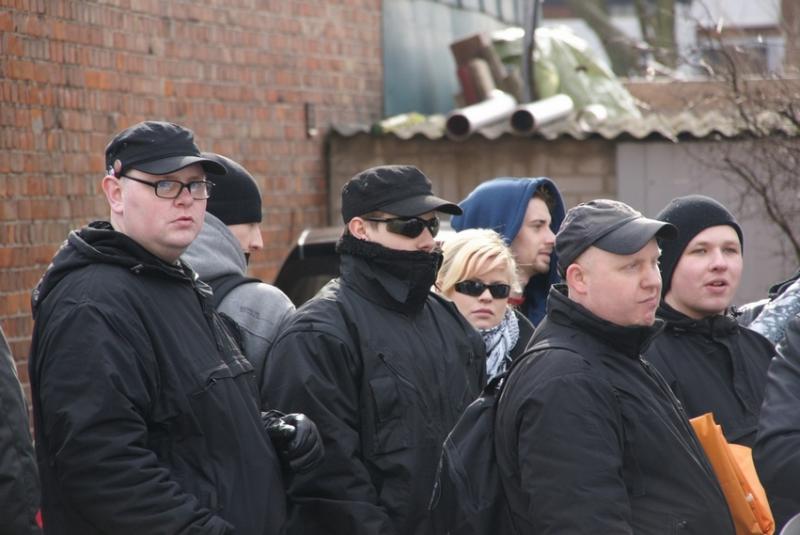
<point>157,148</point>
<point>401,190</point>
<point>610,225</point>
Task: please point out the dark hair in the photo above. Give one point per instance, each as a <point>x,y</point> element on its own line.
<point>542,192</point>
<point>372,224</point>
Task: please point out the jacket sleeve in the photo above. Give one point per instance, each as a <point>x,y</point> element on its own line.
<point>571,458</point>
<point>777,448</point>
<point>259,310</point>
<point>19,481</point>
<point>315,373</point>
<point>96,384</point>
<point>772,320</point>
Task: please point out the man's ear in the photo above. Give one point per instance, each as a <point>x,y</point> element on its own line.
<point>576,278</point>
<point>357,228</point>
<point>113,191</point>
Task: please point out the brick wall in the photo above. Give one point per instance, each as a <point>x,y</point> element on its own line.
<point>583,170</point>
<point>240,73</point>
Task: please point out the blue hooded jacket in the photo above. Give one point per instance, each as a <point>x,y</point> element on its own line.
<point>500,205</point>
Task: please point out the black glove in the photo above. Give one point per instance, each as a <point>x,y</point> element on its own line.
<point>296,438</point>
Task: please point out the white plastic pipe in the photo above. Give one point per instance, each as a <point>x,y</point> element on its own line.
<point>528,117</point>
<point>464,121</point>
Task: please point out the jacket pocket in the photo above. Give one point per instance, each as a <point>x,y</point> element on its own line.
<point>221,372</point>
<point>391,433</point>
<point>216,389</point>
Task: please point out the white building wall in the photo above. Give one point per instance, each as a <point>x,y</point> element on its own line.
<point>736,12</point>
<point>703,13</point>
<point>650,174</point>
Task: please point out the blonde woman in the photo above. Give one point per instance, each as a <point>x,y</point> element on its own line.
<point>479,274</point>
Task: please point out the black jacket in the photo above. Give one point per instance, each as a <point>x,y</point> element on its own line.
<point>714,365</point>
<point>19,480</point>
<point>146,413</point>
<point>590,439</point>
<point>384,382</point>
<point>526,329</point>
<point>777,448</point>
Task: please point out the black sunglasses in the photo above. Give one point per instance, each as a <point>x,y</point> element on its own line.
<point>410,227</point>
<point>476,289</point>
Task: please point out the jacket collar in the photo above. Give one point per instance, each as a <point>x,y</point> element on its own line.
<point>398,280</point>
<point>715,326</point>
<point>99,243</point>
<point>631,341</point>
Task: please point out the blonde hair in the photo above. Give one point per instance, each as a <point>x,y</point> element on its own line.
<point>472,252</point>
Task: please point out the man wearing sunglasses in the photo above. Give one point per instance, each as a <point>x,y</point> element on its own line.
<point>381,364</point>
<point>145,411</point>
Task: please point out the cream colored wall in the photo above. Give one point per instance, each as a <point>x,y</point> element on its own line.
<point>645,174</point>
<point>652,173</point>
<point>583,170</point>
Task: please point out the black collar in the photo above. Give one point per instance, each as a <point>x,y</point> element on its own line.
<point>715,326</point>
<point>399,280</point>
<point>630,340</point>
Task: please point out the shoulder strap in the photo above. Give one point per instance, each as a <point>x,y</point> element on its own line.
<point>497,383</point>
<point>224,284</point>
<point>537,348</point>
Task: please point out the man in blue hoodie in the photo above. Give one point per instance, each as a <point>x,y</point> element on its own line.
<point>527,212</point>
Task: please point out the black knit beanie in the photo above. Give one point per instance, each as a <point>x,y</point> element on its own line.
<point>692,214</point>
<point>235,198</point>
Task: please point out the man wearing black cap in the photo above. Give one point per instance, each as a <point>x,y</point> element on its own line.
<point>589,437</point>
<point>711,362</point>
<point>381,364</point>
<point>146,416</point>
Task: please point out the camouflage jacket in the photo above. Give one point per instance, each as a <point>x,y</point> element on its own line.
<point>775,314</point>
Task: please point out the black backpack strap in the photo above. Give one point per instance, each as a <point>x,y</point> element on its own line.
<point>497,384</point>
<point>224,284</point>
<point>547,344</point>
<point>531,352</point>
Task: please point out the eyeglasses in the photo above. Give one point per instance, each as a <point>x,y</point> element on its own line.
<point>476,289</point>
<point>171,189</point>
<point>411,227</point>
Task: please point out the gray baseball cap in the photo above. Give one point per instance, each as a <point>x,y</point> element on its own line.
<point>610,225</point>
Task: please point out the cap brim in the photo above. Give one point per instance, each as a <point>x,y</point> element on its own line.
<point>414,206</point>
<point>175,163</point>
<point>632,236</point>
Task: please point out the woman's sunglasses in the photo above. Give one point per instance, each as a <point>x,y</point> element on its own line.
<point>410,227</point>
<point>476,288</point>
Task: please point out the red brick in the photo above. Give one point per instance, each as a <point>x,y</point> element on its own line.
<point>237,72</point>
<point>6,21</point>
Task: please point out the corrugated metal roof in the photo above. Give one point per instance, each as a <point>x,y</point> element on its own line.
<point>652,126</point>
